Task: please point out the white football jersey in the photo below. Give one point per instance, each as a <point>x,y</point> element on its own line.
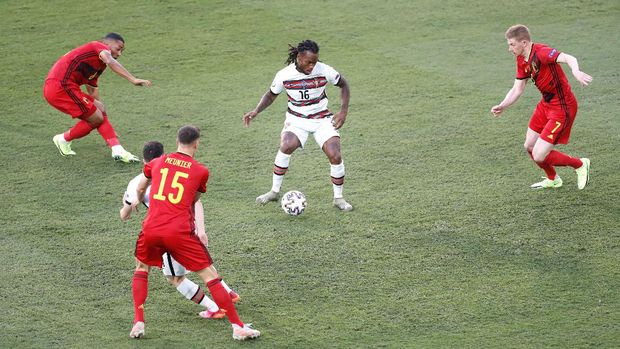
<point>306,93</point>
<point>131,193</point>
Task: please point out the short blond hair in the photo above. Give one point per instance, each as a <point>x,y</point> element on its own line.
<point>518,32</point>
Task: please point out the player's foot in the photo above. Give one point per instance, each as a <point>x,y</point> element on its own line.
<point>234,297</point>
<point>206,314</point>
<point>125,156</point>
<point>137,331</point>
<point>583,173</point>
<point>63,146</point>
<point>245,332</point>
<point>269,196</point>
<point>548,183</point>
<point>342,204</point>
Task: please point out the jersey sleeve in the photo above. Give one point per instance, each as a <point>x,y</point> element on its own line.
<point>130,194</point>
<point>100,46</point>
<point>203,181</point>
<point>147,169</point>
<point>277,86</point>
<point>548,55</point>
<point>331,74</point>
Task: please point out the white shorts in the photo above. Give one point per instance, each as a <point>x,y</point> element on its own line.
<point>322,129</point>
<point>171,267</point>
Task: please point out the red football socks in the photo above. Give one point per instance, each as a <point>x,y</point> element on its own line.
<point>140,289</point>
<point>556,158</point>
<point>79,130</point>
<point>549,170</point>
<point>222,299</point>
<point>107,132</point>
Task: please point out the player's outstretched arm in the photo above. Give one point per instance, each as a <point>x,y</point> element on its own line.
<point>583,78</point>
<point>125,211</point>
<point>345,93</point>
<point>143,184</point>
<point>511,97</point>
<point>118,68</point>
<point>264,102</point>
<point>199,217</point>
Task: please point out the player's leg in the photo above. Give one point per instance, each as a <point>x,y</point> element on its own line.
<point>289,141</point>
<point>328,138</point>
<point>540,151</point>
<point>241,331</point>
<point>191,253</point>
<point>331,148</point>
<point>106,130</point>
<point>552,180</point>
<point>233,295</point>
<point>139,287</point>
<point>557,131</point>
<point>72,101</point>
<point>175,274</point>
<point>537,123</point>
<point>146,255</point>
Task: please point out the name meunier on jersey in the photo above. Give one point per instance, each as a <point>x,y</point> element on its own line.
<point>178,162</point>
<point>306,93</point>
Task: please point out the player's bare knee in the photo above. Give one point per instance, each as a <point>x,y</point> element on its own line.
<point>95,119</point>
<point>99,105</point>
<point>335,159</point>
<point>208,274</point>
<point>288,146</point>
<point>539,157</point>
<point>142,266</point>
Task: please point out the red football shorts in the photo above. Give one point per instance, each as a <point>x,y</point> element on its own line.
<point>553,122</point>
<point>68,98</point>
<point>186,248</point>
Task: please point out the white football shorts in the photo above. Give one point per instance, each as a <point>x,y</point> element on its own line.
<point>171,267</point>
<point>322,129</point>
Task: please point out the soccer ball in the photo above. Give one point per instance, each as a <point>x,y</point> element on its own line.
<point>293,202</point>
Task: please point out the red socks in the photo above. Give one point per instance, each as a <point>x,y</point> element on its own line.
<point>556,158</point>
<point>107,132</point>
<point>222,299</point>
<point>140,289</point>
<point>79,130</point>
<point>549,170</point>
<point>82,128</point>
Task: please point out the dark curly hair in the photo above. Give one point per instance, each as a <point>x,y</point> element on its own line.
<point>306,45</point>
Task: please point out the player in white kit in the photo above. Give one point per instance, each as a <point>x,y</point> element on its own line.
<point>175,272</point>
<point>304,79</point>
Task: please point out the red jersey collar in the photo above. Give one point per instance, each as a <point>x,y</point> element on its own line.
<point>531,53</point>
<point>182,153</point>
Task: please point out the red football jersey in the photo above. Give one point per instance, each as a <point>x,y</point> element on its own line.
<point>81,65</point>
<point>175,179</point>
<point>546,73</point>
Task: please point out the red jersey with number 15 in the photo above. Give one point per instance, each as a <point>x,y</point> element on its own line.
<point>546,73</point>
<point>81,65</point>
<point>175,179</point>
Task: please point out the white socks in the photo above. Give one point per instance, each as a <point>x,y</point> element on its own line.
<point>62,139</point>
<point>188,289</point>
<point>117,149</point>
<point>337,174</point>
<point>280,167</point>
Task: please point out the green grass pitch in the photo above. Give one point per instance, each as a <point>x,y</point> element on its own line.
<point>447,246</point>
